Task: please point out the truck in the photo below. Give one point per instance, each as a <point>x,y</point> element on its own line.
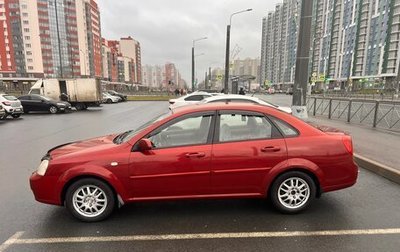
<point>81,92</point>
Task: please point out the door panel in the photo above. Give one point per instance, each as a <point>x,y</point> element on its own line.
<point>170,172</point>
<point>241,167</point>
<point>247,146</point>
<point>179,163</point>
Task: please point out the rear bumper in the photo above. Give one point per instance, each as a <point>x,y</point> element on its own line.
<point>346,181</point>
<point>14,111</point>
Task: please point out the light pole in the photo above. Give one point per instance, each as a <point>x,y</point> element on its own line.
<point>194,41</point>
<point>195,72</point>
<point>228,37</point>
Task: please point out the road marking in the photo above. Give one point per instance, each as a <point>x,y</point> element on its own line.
<point>10,241</point>
<point>168,237</point>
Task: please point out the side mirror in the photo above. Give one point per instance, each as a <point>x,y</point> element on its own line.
<point>145,144</point>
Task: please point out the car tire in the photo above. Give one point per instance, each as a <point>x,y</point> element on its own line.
<point>53,110</point>
<point>292,192</point>
<point>109,101</point>
<point>79,106</point>
<point>78,201</point>
<point>16,116</point>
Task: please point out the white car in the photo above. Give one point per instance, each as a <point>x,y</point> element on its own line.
<point>11,105</point>
<point>107,98</point>
<point>192,98</point>
<point>244,99</point>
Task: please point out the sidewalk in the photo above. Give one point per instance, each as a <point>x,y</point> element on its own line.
<point>375,144</point>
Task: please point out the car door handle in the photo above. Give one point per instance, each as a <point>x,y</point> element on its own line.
<point>195,154</point>
<point>270,149</point>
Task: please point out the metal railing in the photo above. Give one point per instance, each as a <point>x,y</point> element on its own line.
<point>376,113</point>
<point>373,96</point>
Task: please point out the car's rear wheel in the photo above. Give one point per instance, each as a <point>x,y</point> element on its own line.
<point>292,192</point>
<point>16,115</point>
<point>109,101</point>
<point>80,106</point>
<point>90,200</point>
<point>53,110</point>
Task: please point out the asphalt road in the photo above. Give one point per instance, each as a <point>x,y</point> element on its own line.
<point>365,217</point>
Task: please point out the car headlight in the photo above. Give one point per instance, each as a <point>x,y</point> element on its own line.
<point>43,167</point>
<point>60,104</point>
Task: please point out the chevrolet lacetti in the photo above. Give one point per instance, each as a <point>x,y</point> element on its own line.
<point>202,151</point>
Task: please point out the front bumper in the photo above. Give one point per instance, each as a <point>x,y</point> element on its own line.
<point>44,189</point>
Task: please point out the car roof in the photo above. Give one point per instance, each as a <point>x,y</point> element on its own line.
<point>232,96</point>
<point>220,106</point>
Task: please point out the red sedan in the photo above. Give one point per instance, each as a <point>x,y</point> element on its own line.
<point>202,151</point>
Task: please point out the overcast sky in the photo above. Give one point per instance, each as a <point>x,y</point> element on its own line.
<point>166,29</point>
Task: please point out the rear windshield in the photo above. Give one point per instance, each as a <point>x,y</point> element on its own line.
<point>10,97</point>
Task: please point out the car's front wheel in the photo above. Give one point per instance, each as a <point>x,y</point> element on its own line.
<point>53,109</point>
<point>292,192</point>
<point>15,116</point>
<point>90,200</point>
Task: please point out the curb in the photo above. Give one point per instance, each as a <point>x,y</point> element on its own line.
<point>378,168</point>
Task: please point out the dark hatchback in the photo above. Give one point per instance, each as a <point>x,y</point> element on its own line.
<point>35,102</point>
<point>123,97</point>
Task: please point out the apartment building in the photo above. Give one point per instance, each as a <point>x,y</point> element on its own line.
<point>354,44</point>
<point>279,43</point>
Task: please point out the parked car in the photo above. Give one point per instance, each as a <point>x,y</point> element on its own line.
<point>207,151</point>
<point>34,102</point>
<point>289,91</point>
<point>2,112</point>
<point>244,99</point>
<point>192,98</point>
<point>107,98</point>
<point>11,105</point>
<point>114,93</point>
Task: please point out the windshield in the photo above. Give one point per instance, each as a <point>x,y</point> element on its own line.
<point>46,98</point>
<point>127,135</point>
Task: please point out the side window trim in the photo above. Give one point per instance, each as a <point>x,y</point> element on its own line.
<point>178,119</point>
<point>271,119</point>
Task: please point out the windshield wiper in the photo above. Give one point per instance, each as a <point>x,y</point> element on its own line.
<point>121,137</point>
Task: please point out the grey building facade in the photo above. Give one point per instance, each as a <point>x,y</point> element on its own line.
<point>355,44</point>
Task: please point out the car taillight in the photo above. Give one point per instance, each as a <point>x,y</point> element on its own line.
<point>348,144</point>
<point>7,103</point>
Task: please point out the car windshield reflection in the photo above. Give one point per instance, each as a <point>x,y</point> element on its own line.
<point>127,135</point>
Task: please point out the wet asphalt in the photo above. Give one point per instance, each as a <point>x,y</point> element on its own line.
<point>373,203</point>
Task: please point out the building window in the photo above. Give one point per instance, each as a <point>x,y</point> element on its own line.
<point>26,22</point>
<point>28,45</point>
<point>30,67</point>
<point>26,29</point>
<point>28,53</point>
<point>27,37</point>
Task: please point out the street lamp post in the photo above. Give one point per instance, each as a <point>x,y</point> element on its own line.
<point>228,37</point>
<point>194,41</point>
